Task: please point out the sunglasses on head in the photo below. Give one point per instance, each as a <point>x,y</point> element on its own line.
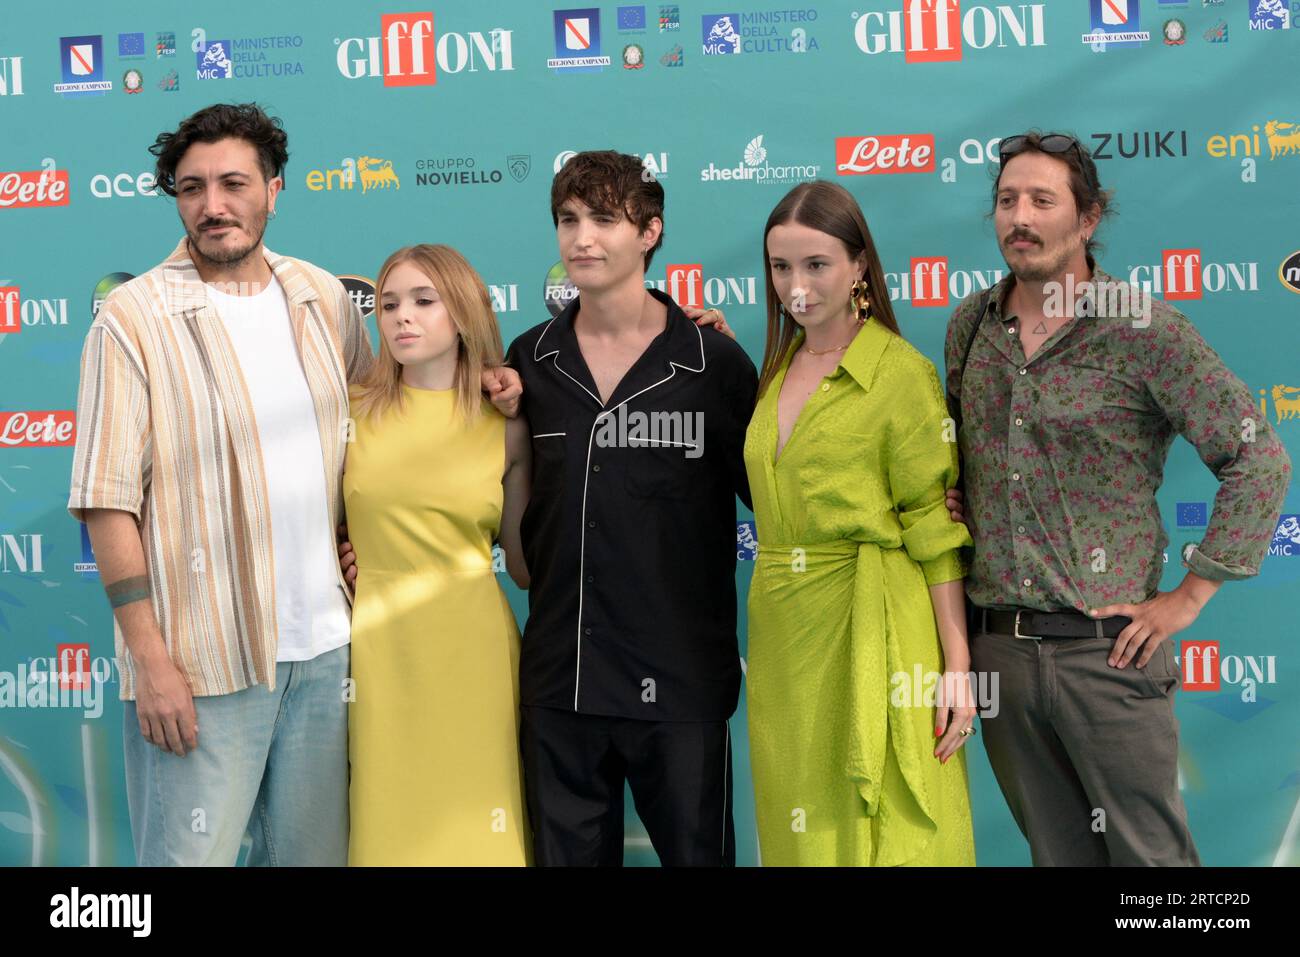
<point>1051,143</point>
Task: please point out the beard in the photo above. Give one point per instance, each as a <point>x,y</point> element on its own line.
<point>229,256</point>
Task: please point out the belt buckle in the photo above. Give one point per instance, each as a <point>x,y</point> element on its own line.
<point>1015,630</point>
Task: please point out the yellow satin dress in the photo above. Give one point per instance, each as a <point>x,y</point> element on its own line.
<point>434,718</point>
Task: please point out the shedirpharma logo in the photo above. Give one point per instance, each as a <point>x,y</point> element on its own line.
<point>753,166</point>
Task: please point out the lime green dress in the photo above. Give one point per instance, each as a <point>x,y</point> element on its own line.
<point>852,529</point>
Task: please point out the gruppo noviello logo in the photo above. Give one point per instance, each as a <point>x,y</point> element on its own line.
<point>577,41</point>
<point>81,60</point>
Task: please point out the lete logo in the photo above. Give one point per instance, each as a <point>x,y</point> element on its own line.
<point>46,428</point>
<point>858,155</point>
<point>34,188</point>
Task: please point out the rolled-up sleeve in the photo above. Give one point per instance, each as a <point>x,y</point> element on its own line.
<point>922,467</point>
<point>111,463</point>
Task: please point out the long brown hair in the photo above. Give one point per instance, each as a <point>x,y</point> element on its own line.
<point>828,208</point>
<point>470,308</point>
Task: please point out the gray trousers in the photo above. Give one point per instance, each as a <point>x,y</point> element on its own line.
<point>1086,755</point>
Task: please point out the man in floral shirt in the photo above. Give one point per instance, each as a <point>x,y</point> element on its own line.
<point>1069,387</point>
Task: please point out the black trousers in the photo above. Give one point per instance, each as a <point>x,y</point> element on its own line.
<point>679,773</point>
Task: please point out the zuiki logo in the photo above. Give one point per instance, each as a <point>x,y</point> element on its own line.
<point>935,31</point>
<point>1140,144</point>
<point>371,171</point>
<point>17,311</point>
<point>1183,274</point>
<point>754,167</point>
<point>1281,137</point>
<point>930,283</point>
<point>409,53</point>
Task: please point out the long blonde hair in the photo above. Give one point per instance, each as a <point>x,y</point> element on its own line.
<point>470,308</point>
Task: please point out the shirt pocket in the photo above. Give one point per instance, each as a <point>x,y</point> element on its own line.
<point>659,471</point>
<point>549,457</point>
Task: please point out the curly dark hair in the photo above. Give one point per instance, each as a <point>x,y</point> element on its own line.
<point>245,121</point>
<point>611,182</point>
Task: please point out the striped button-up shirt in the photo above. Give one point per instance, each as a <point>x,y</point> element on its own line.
<point>166,431</point>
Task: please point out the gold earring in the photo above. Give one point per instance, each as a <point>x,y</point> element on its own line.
<point>859,300</point>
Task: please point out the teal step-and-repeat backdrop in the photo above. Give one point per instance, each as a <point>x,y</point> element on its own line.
<point>416,124</point>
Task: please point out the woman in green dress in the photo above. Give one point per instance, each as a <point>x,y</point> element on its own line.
<point>858,690</point>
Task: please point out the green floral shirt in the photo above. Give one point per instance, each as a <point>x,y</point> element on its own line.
<point>1061,454</point>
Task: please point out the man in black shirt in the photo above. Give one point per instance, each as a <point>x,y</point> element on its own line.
<point>630,666</point>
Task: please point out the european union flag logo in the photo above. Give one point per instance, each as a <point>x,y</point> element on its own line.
<point>1191,515</point>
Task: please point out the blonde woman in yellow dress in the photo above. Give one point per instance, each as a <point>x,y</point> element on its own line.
<point>858,582</point>
<point>433,476</point>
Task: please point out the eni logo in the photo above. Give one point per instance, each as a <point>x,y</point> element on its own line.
<point>373,172</point>
<point>377,174</point>
<point>1286,402</point>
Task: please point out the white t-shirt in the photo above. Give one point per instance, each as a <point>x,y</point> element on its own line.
<point>311,610</point>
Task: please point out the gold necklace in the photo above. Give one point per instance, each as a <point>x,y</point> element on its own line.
<point>826,352</point>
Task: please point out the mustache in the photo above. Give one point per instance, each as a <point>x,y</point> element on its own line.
<point>1016,234</point>
<point>210,223</point>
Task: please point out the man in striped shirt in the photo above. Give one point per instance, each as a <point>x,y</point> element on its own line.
<point>213,424</point>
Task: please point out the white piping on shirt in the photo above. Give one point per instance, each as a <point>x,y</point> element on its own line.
<point>582,547</point>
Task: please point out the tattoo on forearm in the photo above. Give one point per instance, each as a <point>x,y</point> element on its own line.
<point>128,590</point>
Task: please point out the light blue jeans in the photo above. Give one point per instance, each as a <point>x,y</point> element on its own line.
<point>271,763</point>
